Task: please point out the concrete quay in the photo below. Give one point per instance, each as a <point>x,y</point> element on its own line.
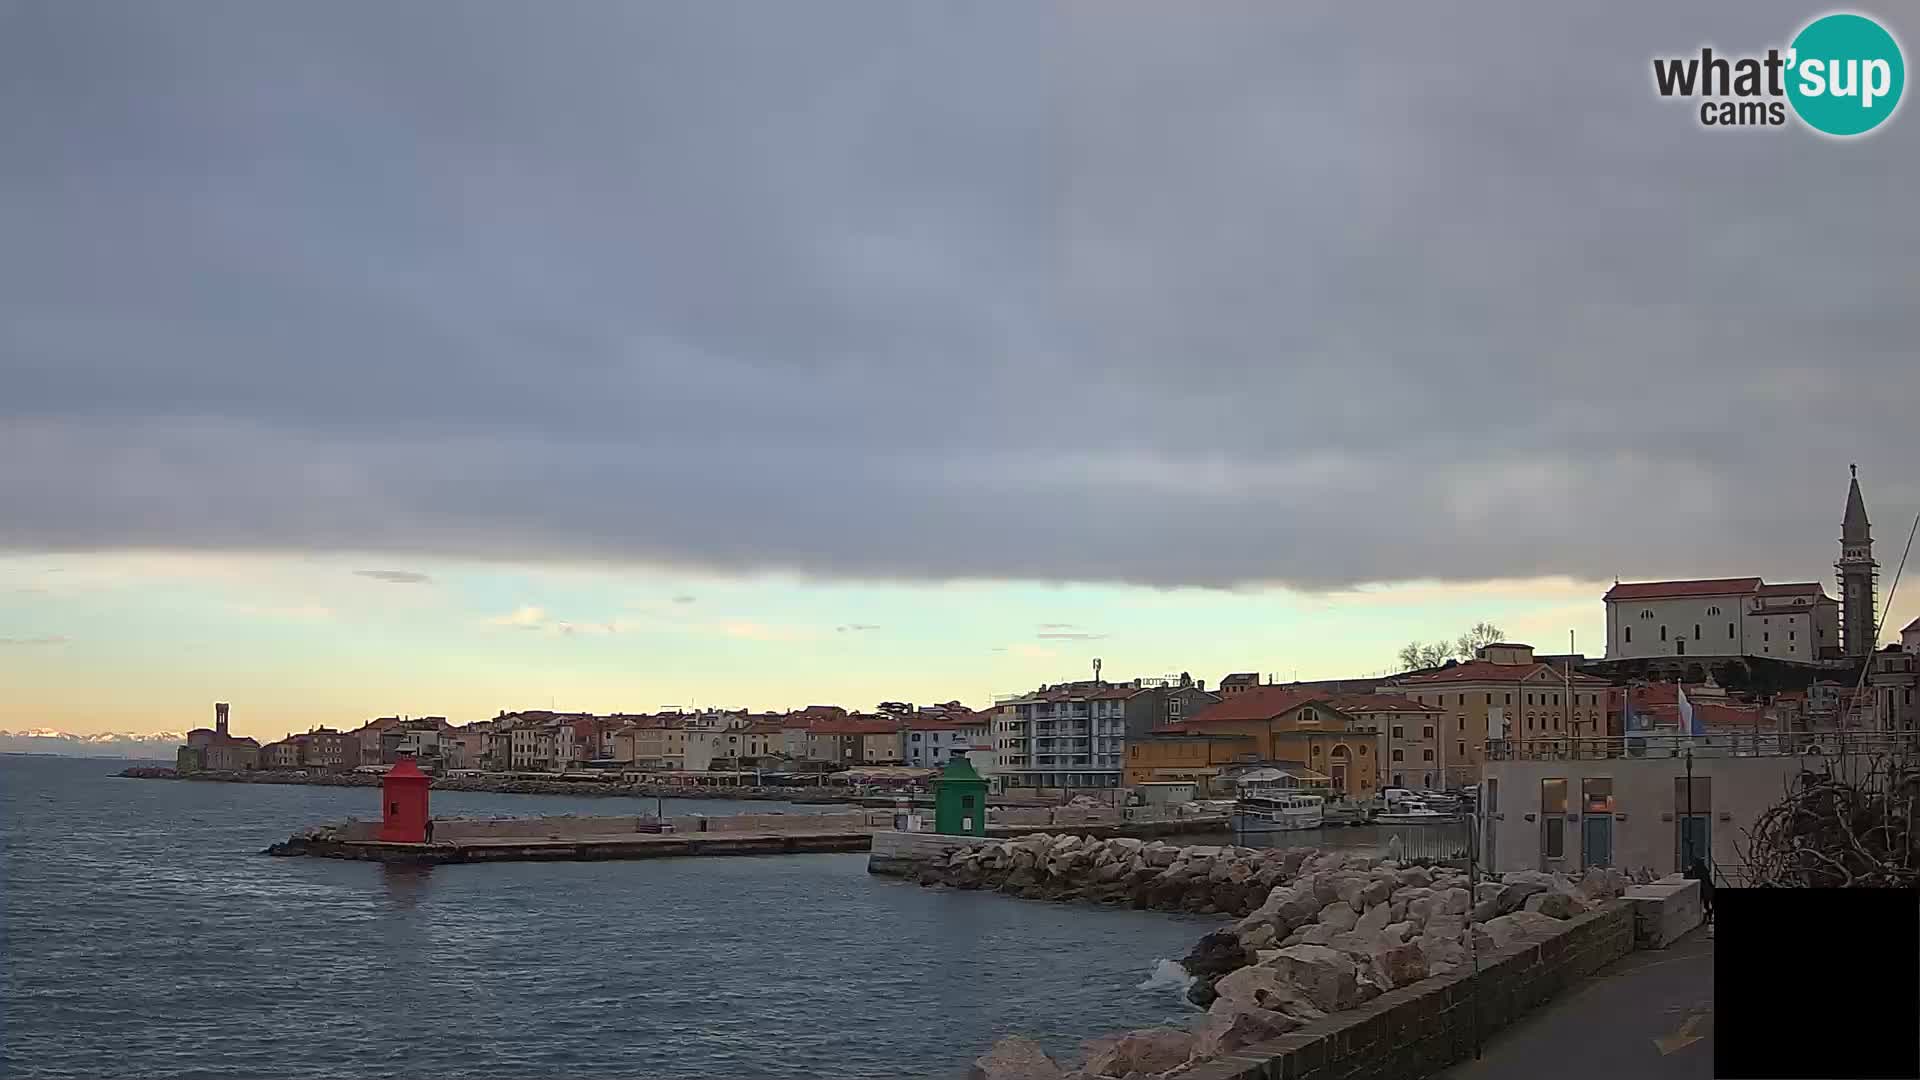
<point>477,840</point>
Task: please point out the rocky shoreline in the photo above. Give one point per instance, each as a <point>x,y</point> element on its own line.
<point>509,786</point>
<point>1317,933</point>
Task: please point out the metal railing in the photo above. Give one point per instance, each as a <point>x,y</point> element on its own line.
<point>1723,743</point>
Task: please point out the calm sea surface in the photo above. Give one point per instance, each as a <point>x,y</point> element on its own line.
<point>144,935</point>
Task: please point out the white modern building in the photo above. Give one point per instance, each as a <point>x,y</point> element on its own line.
<point>1722,617</point>
<point>1061,738</point>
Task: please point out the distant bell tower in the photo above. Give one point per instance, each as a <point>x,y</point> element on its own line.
<point>220,718</point>
<point>1859,575</point>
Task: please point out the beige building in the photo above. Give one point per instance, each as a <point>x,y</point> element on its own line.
<point>1504,695</point>
<point>1723,617</point>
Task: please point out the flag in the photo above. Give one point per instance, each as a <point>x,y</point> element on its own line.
<point>1689,723</point>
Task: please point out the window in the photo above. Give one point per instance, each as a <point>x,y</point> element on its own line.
<point>1460,750</point>
<point>1646,613</point>
<point>966,802</point>
<point>1790,634</point>
<point>1363,751</point>
<point>1509,700</point>
<point>1489,699</point>
<point>1713,611</point>
<point>1553,818</point>
<point>1529,721</point>
<point>1729,631</point>
<point>1696,631</point>
<point>1399,732</point>
<point>1463,699</point>
<point>1596,793</point>
<point>1765,636</point>
<point>1399,755</point>
<point>1427,732</point>
<point>1426,755</point>
<point>1556,699</point>
<point>1663,632</point>
<point>1529,699</point>
<point>1629,635</point>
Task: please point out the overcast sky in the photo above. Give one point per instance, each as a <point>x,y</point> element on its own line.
<point>1135,294</point>
<point>1169,295</point>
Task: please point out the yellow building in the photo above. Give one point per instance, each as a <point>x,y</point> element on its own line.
<point>1165,757</point>
<point>1288,725</point>
<point>1504,694</point>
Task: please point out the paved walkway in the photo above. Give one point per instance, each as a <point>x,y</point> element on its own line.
<point>1648,1015</point>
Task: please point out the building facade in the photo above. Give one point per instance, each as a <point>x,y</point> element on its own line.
<point>930,744</point>
<point>1062,738</point>
<point>1287,726</point>
<point>1503,695</point>
<point>1722,618</point>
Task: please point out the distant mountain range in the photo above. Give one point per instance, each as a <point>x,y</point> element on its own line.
<point>160,744</point>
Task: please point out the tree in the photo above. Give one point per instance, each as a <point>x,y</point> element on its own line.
<point>1838,829</point>
<point>1415,655</point>
<point>1477,637</point>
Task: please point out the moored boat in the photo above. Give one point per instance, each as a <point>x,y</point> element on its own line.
<point>1278,813</point>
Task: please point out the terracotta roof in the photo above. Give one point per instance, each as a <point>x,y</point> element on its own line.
<point>942,725</point>
<point>1377,703</point>
<point>1488,671</point>
<point>1660,590</point>
<point>1797,588</point>
<point>1259,703</point>
<point>855,727</point>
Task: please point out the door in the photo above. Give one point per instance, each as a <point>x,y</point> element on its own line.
<point>1597,839</point>
<point>1696,841</point>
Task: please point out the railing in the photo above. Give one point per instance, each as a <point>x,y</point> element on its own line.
<point>1718,744</point>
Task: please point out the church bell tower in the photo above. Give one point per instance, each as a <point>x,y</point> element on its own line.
<point>1859,575</point>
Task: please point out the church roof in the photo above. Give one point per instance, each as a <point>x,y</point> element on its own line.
<point>1855,528</point>
<point>1662,590</point>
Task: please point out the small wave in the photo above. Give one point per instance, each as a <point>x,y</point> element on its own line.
<point>1168,975</point>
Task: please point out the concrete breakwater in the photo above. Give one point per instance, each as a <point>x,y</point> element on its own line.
<point>462,840</point>
<point>1319,934</point>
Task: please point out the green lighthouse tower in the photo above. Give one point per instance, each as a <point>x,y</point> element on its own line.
<point>960,800</point>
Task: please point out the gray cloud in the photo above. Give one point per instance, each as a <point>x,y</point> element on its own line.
<point>1070,637</point>
<point>856,627</point>
<point>1273,294</point>
<point>50,639</point>
<point>397,577</point>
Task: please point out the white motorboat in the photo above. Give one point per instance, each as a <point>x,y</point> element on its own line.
<point>1412,812</point>
<point>1277,813</point>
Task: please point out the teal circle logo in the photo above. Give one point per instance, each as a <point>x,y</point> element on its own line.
<point>1845,74</point>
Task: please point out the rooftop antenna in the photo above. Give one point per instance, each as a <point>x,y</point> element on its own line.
<point>1096,669</point>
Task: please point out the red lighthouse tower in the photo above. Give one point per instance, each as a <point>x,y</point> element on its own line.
<point>403,804</point>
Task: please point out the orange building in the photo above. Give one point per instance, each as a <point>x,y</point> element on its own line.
<point>1283,724</point>
<point>1170,755</point>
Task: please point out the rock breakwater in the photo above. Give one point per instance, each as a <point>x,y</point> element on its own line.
<point>1317,933</point>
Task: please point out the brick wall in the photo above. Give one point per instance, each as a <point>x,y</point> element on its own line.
<point>1419,1030</point>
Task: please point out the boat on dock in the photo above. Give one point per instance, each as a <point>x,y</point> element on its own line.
<point>1264,813</point>
<point>1414,812</point>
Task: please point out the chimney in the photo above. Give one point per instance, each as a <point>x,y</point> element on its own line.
<point>220,718</point>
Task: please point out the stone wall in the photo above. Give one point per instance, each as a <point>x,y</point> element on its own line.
<point>1417,1030</point>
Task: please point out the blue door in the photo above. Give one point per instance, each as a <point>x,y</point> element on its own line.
<point>1597,839</point>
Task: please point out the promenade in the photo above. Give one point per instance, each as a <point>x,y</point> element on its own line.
<point>1648,1015</point>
